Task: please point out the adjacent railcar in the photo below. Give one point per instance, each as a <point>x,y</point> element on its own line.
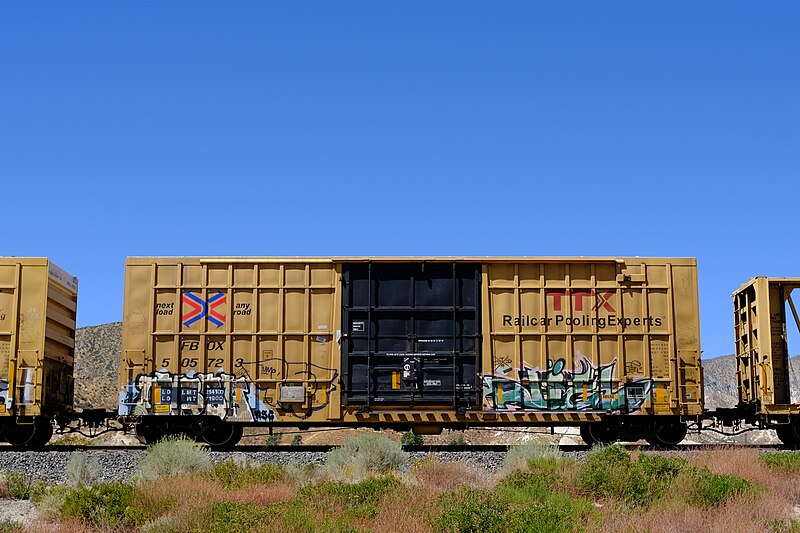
<point>760,313</point>
<point>211,345</point>
<point>38,303</point>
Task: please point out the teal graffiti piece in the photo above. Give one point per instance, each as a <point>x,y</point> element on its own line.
<point>586,373</point>
<point>606,372</point>
<point>506,394</point>
<point>586,388</point>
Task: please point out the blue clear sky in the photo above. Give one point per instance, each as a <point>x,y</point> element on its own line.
<point>378,128</point>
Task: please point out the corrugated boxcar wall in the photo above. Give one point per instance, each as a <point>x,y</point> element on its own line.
<point>411,333</point>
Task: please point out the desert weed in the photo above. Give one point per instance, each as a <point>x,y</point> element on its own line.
<point>363,456</point>
<point>83,470</point>
<point>173,456</point>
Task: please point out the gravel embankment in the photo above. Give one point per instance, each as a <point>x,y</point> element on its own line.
<point>121,465</point>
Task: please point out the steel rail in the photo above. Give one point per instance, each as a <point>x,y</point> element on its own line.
<point>425,448</point>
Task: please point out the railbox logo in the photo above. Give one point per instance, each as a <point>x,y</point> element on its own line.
<point>199,308</point>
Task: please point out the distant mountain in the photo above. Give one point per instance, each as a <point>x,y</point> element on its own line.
<point>720,379</point>
<point>97,355</point>
<point>794,378</point>
<point>719,374</point>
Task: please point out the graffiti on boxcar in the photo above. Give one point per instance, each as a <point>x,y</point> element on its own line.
<point>302,372</point>
<point>233,397</point>
<point>227,396</point>
<point>588,387</point>
<point>4,392</point>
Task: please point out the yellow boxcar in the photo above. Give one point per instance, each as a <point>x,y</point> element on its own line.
<point>38,304</point>
<point>239,340</point>
<point>211,344</point>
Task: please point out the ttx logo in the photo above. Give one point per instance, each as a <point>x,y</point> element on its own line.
<point>200,308</point>
<point>578,295</point>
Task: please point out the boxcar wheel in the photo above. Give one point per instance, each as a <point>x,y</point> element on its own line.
<point>148,434</point>
<point>30,436</point>
<point>786,435</point>
<point>789,434</point>
<point>44,432</point>
<point>668,433</point>
<point>600,433</point>
<point>222,437</point>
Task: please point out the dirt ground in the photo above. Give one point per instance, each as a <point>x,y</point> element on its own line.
<point>19,511</point>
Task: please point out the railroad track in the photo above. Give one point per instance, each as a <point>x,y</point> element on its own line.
<point>425,448</point>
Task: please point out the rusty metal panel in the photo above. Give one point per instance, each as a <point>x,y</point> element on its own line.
<point>38,303</point>
<point>575,334</point>
<point>762,355</point>
<point>244,339</point>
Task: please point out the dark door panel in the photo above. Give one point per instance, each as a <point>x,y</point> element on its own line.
<point>411,333</point>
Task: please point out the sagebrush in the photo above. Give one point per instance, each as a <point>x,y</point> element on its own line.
<point>173,456</point>
<point>363,456</point>
<point>83,470</point>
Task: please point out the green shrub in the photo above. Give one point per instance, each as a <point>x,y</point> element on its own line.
<point>470,510</point>
<point>82,470</point>
<point>49,506</point>
<point>180,521</point>
<point>22,487</point>
<point>556,513</point>
<point>274,439</point>
<point>105,505</point>
<point>10,526</point>
<point>72,440</point>
<point>458,440</point>
<point>363,456</point>
<point>359,499</point>
<point>784,526</point>
<point>609,472</point>
<point>173,456</point>
<point>294,516</point>
<point>657,467</point>
<point>535,484</point>
<point>709,489</point>
<point>297,440</point>
<point>229,517</point>
<point>518,455</point>
<point>782,462</point>
<point>233,475</point>
<point>297,518</point>
<point>410,438</point>
<point>535,502</point>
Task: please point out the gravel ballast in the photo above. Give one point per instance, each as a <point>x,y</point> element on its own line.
<point>50,466</point>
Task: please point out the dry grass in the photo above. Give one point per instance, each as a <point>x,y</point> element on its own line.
<point>755,511</point>
<point>663,520</point>
<point>69,526</point>
<point>446,475</point>
<point>745,463</point>
<point>177,503</point>
<point>745,514</point>
<point>180,519</point>
<point>182,492</point>
<point>759,510</point>
<point>406,513</point>
<point>264,495</point>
